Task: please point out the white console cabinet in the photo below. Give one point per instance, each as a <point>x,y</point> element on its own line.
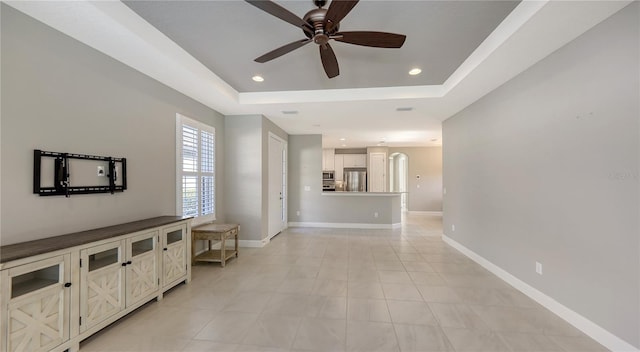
<point>102,283</point>
<point>58,291</point>
<point>174,252</point>
<point>35,305</point>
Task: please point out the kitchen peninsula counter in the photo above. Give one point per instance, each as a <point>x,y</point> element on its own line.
<point>338,209</point>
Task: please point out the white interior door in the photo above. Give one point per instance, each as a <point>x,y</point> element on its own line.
<point>277,182</point>
<point>377,172</point>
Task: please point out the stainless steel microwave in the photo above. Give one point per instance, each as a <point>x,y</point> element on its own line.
<point>328,175</point>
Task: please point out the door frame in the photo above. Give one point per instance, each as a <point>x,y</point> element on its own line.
<point>284,170</point>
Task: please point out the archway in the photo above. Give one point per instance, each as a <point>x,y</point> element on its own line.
<point>399,176</point>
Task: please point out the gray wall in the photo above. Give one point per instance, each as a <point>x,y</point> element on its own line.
<point>60,95</point>
<point>424,194</point>
<point>545,168</point>
<point>305,169</point>
<point>426,162</point>
<point>246,173</point>
<point>243,174</point>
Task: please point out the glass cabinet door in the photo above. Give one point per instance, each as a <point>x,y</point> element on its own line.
<point>39,291</point>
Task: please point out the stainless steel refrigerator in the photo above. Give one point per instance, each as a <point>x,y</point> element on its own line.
<point>355,180</point>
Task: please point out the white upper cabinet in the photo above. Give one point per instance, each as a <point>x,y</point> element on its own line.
<point>328,163</point>
<point>355,160</point>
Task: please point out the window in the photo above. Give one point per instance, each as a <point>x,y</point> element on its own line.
<point>195,164</point>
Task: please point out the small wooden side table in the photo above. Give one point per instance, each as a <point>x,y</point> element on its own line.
<point>214,232</point>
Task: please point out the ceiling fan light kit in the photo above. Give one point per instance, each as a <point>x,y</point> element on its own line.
<point>321,25</point>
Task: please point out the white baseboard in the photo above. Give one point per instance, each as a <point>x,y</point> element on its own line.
<point>424,212</point>
<point>350,225</point>
<point>591,329</point>
<point>253,243</point>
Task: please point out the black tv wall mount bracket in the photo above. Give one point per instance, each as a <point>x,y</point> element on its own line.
<point>62,174</point>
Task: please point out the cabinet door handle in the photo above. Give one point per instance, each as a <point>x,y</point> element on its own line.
<point>129,262</point>
<point>68,284</point>
<point>124,264</point>
<point>166,249</point>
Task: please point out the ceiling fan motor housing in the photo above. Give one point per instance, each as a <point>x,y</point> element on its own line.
<point>315,18</point>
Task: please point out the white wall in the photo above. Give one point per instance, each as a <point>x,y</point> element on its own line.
<point>60,95</point>
<point>545,168</point>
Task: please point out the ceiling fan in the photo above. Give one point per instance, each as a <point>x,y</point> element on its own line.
<point>321,25</point>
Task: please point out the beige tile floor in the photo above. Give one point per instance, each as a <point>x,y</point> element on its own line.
<point>345,290</point>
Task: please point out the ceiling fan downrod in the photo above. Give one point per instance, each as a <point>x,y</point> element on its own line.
<point>320,3</point>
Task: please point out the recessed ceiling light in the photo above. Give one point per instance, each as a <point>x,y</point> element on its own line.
<point>415,71</point>
<point>344,145</point>
<point>343,139</point>
<point>407,108</point>
<point>289,112</point>
<point>257,78</point>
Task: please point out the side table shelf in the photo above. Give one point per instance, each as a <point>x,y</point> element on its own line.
<point>214,232</point>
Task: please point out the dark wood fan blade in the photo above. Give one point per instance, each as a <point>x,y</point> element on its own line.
<point>375,39</point>
<point>282,50</point>
<point>329,61</point>
<point>276,10</point>
<point>338,9</point>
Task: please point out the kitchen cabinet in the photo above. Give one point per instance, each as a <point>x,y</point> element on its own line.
<point>58,291</point>
<point>339,165</point>
<point>377,172</point>
<point>36,305</point>
<point>328,163</point>
<point>355,160</point>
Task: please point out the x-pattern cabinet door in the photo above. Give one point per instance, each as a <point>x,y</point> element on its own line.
<point>174,261</point>
<point>142,267</point>
<point>102,278</point>
<point>37,296</point>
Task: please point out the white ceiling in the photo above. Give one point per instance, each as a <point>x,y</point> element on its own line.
<point>472,52</point>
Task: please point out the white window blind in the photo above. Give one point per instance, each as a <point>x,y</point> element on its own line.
<point>195,169</point>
